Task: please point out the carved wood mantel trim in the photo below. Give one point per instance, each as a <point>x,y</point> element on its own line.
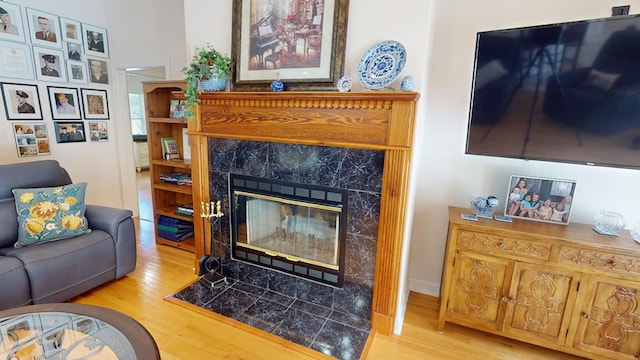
<point>368,120</point>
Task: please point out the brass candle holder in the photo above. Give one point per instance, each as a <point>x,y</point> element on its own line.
<point>209,276</point>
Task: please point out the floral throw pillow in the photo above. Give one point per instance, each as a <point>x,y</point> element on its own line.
<point>47,214</point>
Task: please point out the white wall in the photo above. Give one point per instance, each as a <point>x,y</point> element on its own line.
<point>448,176</point>
<point>140,33</point>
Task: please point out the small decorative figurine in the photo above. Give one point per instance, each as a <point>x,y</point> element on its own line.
<point>408,83</point>
<point>345,83</point>
<point>277,85</point>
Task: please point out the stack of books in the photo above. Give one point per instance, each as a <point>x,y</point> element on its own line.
<point>185,210</point>
<point>174,229</point>
<point>176,178</point>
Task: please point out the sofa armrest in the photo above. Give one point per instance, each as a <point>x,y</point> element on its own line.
<point>119,224</point>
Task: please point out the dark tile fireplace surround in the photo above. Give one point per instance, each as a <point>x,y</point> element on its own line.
<point>344,313</point>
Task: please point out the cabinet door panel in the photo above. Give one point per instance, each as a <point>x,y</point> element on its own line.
<point>540,302</point>
<point>610,321</point>
<point>479,283</point>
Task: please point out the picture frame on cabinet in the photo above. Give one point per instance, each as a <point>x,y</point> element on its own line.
<point>71,31</point>
<point>77,72</point>
<point>31,139</point>
<point>540,199</point>
<point>304,47</point>
<point>49,64</point>
<point>16,60</point>
<point>21,101</point>
<point>44,28</point>
<point>11,26</point>
<point>95,41</point>
<point>71,131</point>
<point>65,103</point>
<point>95,104</point>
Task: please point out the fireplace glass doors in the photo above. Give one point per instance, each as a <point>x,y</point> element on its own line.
<point>294,228</point>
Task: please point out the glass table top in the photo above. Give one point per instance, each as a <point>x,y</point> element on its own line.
<point>26,334</point>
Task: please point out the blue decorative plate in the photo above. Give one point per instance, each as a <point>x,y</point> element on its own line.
<point>382,64</point>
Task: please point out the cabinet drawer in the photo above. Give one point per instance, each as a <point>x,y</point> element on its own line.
<point>503,245</point>
<point>600,260</point>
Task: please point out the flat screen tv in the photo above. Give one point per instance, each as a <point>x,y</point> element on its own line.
<point>567,92</point>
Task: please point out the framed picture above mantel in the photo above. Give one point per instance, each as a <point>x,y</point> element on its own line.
<point>299,42</point>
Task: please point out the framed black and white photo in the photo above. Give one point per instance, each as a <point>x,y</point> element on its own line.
<point>44,28</point>
<point>98,73</point>
<point>73,52</point>
<point>99,131</point>
<point>31,139</point>
<point>65,103</point>
<point>21,101</point>
<point>540,199</point>
<point>49,64</point>
<point>11,27</point>
<point>95,41</point>
<point>71,131</point>
<point>77,72</point>
<point>16,61</point>
<point>94,104</point>
<point>71,31</point>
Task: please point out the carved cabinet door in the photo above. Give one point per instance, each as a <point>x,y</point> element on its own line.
<point>540,303</point>
<point>609,324</point>
<point>478,284</point>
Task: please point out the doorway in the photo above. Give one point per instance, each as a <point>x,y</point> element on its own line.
<point>135,77</point>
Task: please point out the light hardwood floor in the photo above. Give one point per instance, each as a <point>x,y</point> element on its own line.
<point>183,333</point>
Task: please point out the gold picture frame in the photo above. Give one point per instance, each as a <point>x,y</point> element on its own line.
<point>302,45</point>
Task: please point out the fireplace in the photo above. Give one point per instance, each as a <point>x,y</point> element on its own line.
<point>372,125</point>
<point>295,228</point>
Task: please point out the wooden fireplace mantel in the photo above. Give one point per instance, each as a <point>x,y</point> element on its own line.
<point>363,120</point>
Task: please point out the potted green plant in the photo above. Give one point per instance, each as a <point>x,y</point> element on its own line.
<point>209,70</point>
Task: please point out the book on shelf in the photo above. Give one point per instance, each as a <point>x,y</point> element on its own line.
<point>176,178</point>
<point>174,237</point>
<point>185,210</point>
<point>170,148</point>
<point>174,222</point>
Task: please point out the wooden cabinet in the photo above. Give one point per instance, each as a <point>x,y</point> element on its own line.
<point>562,287</point>
<point>141,155</point>
<point>166,196</point>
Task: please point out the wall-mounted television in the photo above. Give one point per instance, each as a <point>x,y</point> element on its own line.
<point>566,92</point>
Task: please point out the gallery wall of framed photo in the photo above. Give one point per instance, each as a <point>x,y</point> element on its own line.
<point>52,64</point>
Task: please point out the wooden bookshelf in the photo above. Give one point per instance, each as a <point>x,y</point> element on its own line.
<point>166,196</point>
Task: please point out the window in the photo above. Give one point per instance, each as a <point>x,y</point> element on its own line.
<point>136,111</point>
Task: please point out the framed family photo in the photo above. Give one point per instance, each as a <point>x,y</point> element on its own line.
<point>302,45</point>
<point>72,131</point>
<point>70,30</point>
<point>95,105</point>
<point>11,27</point>
<point>44,28</point>
<point>540,199</point>
<point>16,61</point>
<point>65,103</point>
<point>31,139</point>
<point>95,41</point>
<point>49,64</point>
<point>21,101</point>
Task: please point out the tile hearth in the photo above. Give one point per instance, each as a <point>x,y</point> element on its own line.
<point>317,327</point>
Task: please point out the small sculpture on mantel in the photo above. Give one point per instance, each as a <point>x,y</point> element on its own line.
<point>277,85</point>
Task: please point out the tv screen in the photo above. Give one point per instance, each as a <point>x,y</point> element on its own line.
<point>567,92</point>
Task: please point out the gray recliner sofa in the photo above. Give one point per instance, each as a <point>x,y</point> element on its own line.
<point>59,270</point>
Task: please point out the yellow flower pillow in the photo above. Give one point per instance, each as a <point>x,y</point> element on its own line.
<point>47,214</point>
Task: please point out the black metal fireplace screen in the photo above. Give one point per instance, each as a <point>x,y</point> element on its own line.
<point>298,229</point>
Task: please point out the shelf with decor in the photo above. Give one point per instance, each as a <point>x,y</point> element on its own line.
<point>167,196</point>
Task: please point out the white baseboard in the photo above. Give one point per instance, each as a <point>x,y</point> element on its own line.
<point>425,287</point>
